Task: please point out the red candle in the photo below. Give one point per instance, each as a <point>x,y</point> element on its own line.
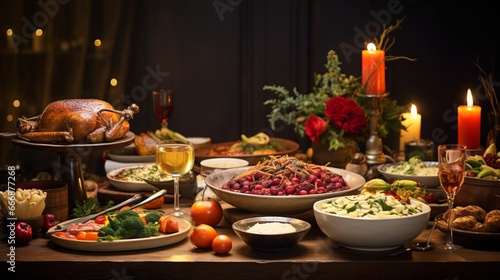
<point>469,124</point>
<point>373,70</point>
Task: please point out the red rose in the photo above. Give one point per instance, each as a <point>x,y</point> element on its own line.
<point>315,126</point>
<point>346,114</point>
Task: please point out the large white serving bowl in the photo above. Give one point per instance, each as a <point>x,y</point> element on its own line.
<point>276,205</point>
<point>430,181</point>
<point>371,234</point>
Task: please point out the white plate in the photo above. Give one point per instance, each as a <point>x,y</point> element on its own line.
<point>129,186</point>
<point>125,244</point>
<point>129,154</point>
<point>429,181</point>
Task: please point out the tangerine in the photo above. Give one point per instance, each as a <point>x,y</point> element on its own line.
<point>222,244</point>
<point>201,236</point>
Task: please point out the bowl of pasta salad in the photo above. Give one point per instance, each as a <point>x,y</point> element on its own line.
<point>371,221</point>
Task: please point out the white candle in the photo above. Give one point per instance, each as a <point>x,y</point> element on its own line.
<point>412,122</point>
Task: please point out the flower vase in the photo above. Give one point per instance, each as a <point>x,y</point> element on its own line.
<point>334,158</point>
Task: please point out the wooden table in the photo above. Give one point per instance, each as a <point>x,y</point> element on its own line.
<point>315,257</point>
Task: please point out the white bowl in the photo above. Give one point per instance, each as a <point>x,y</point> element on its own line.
<point>272,204</point>
<point>129,186</point>
<point>271,241</point>
<point>199,141</point>
<point>430,181</point>
<point>209,166</point>
<point>371,234</point>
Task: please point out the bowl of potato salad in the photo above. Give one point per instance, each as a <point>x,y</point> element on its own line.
<point>371,221</point>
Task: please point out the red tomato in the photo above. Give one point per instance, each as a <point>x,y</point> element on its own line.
<point>207,212</point>
<point>101,219</point>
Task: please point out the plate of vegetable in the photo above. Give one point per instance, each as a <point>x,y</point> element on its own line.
<point>251,149</point>
<point>123,231</point>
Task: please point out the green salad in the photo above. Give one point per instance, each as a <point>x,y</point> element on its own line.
<point>414,166</point>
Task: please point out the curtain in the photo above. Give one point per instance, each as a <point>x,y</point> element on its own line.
<point>80,47</point>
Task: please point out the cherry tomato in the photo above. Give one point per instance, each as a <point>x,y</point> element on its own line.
<point>207,212</point>
<point>222,244</point>
<point>430,198</point>
<point>202,236</point>
<point>101,219</point>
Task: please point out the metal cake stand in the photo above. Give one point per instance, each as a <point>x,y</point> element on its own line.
<point>70,161</point>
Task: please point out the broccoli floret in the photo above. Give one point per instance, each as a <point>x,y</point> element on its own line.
<point>106,231</point>
<point>122,215</point>
<point>124,233</point>
<point>127,224</point>
<point>145,232</point>
<point>152,217</point>
<point>114,223</point>
<point>153,228</point>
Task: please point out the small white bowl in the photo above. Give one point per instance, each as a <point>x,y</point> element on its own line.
<point>271,241</point>
<point>209,166</point>
<point>199,141</point>
<point>371,234</point>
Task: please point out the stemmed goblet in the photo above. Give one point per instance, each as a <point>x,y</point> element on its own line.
<point>451,158</point>
<point>175,158</point>
<point>163,103</point>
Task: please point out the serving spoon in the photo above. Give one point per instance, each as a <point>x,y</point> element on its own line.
<point>427,246</point>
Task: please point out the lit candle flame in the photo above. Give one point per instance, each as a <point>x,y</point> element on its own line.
<point>413,109</point>
<point>469,98</point>
<point>371,47</point>
<point>39,32</point>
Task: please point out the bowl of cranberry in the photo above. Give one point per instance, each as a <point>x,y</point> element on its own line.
<point>281,185</point>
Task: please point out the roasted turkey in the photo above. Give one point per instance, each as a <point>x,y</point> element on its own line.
<point>77,121</point>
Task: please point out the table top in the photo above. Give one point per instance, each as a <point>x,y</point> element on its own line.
<point>315,256</point>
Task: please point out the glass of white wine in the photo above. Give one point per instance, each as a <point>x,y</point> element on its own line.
<point>175,158</point>
<point>451,158</point>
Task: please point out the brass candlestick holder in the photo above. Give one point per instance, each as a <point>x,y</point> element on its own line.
<point>374,150</point>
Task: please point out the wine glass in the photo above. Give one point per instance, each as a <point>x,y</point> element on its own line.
<point>451,176</point>
<point>175,158</point>
<point>163,103</point>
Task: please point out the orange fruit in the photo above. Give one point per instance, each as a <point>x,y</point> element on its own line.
<point>201,236</point>
<point>155,204</point>
<point>207,212</point>
<point>222,244</point>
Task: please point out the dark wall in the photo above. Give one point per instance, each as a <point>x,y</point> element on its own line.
<point>218,62</point>
<point>218,54</point>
